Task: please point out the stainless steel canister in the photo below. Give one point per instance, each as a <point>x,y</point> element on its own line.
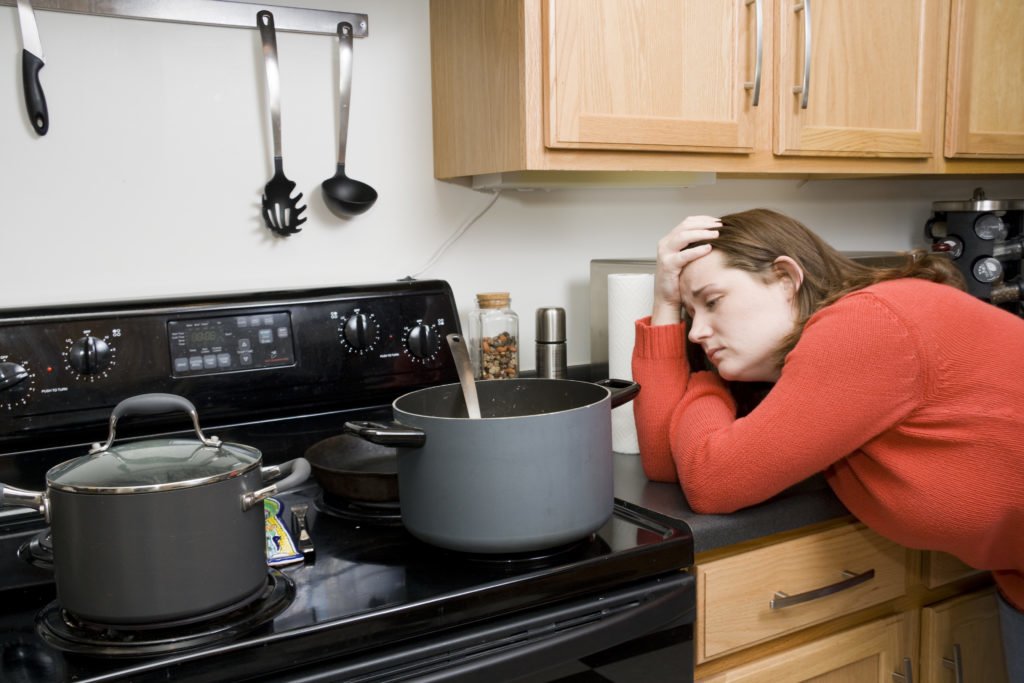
<point>551,352</point>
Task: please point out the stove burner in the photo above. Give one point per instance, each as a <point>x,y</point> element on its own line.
<point>381,514</point>
<point>39,551</point>
<point>544,557</point>
<point>66,632</point>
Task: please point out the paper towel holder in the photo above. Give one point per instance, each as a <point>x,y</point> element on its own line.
<point>600,269</point>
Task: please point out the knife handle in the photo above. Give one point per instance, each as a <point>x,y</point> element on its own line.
<point>35,101</point>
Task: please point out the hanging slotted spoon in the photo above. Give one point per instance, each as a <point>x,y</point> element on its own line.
<point>280,210</point>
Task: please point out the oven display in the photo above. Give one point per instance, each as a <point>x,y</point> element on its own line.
<point>230,343</point>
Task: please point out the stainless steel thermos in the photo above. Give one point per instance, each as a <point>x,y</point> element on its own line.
<point>551,355</point>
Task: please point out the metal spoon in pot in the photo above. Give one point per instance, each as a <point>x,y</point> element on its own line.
<point>345,195</point>
<point>461,355</point>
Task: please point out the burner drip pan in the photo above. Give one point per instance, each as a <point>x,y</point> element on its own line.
<point>383,514</point>
<point>64,631</point>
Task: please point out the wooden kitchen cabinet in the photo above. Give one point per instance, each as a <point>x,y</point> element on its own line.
<point>939,569</point>
<point>961,640</point>
<point>521,86</point>
<point>985,97</point>
<point>764,593</point>
<point>656,75</point>
<point>871,653</point>
<point>860,78</point>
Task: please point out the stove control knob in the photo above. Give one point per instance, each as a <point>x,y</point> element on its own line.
<point>16,384</point>
<point>11,375</point>
<point>423,341</point>
<point>360,331</point>
<point>89,355</point>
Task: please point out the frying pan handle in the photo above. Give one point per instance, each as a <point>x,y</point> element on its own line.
<point>623,391</point>
<point>387,435</point>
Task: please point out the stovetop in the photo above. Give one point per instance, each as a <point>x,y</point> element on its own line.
<point>369,587</point>
<point>332,356</point>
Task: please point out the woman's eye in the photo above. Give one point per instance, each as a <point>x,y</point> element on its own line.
<point>710,303</point>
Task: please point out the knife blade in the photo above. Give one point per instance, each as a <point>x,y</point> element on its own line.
<point>32,61</point>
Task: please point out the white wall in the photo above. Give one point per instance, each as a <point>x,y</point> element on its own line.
<point>149,181</point>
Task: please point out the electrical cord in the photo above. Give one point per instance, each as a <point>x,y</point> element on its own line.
<point>455,237</point>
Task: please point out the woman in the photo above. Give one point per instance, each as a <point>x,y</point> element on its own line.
<point>907,392</point>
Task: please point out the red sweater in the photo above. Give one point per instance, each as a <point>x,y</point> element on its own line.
<point>908,395</point>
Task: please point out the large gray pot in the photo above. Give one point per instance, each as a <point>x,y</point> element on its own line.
<point>535,472</point>
<point>158,530</point>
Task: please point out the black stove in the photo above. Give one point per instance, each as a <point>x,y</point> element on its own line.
<point>373,603</point>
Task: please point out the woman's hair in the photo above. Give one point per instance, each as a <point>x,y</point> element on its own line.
<point>753,240</point>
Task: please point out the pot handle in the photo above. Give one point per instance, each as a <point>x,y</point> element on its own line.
<point>152,404</point>
<point>297,470</point>
<point>29,499</point>
<point>622,390</point>
<point>387,435</point>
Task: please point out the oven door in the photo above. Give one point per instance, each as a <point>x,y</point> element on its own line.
<point>639,634</point>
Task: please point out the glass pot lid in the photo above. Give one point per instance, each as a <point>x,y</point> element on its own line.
<point>153,465</point>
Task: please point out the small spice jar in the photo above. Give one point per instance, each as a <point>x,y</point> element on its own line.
<point>494,337</point>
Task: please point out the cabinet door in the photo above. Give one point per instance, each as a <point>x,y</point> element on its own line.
<point>652,74</point>
<point>964,633</point>
<point>859,78</point>
<point>868,654</point>
<point>985,100</point>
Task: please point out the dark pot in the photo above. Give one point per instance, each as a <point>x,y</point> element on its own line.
<point>535,472</point>
<point>157,530</point>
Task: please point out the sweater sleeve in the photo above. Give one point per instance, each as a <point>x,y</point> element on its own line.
<point>659,366</point>
<point>856,372</point>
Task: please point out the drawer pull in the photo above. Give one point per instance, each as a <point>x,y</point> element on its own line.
<point>905,676</point>
<point>784,600</point>
<point>955,664</point>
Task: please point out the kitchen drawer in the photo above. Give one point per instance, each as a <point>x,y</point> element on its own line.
<point>941,568</point>
<point>766,592</point>
<point>871,653</point>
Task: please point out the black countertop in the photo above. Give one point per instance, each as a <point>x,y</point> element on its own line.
<point>807,503</point>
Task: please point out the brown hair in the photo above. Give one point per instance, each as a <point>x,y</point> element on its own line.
<point>753,240</point>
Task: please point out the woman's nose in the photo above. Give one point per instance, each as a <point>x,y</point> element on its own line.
<point>698,329</point>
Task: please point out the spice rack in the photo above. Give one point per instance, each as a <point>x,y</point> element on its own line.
<point>225,13</point>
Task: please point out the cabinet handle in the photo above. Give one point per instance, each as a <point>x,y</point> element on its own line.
<point>955,664</point>
<point>784,600</point>
<point>755,85</point>
<point>805,87</point>
<point>907,675</point>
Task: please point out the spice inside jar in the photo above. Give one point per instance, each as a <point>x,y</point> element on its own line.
<point>495,337</point>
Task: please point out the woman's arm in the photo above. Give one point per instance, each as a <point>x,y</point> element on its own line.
<point>660,367</point>
<point>856,372</point>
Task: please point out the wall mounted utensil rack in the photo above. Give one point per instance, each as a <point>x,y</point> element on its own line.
<point>210,13</point>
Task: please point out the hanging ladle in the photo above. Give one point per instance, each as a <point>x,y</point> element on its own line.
<point>465,367</point>
<point>342,194</point>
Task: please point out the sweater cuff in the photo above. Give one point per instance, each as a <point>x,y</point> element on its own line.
<point>660,341</point>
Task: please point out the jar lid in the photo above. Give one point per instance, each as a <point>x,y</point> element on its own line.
<point>153,465</point>
<point>493,299</point>
<point>978,202</point>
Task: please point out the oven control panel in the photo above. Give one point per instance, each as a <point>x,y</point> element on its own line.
<point>234,357</point>
<point>228,343</point>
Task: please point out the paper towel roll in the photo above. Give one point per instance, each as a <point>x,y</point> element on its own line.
<point>630,297</point>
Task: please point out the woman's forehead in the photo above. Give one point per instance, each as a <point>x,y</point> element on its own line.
<point>701,272</point>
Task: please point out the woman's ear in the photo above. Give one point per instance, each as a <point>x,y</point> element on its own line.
<point>789,271</point>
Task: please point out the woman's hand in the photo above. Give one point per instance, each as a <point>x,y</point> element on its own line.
<point>674,253</point>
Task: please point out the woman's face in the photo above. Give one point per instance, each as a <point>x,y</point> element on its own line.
<point>738,318</point>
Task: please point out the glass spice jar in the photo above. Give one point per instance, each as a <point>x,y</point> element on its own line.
<point>494,337</point>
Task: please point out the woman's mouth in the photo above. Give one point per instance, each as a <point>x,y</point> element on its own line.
<point>711,353</point>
